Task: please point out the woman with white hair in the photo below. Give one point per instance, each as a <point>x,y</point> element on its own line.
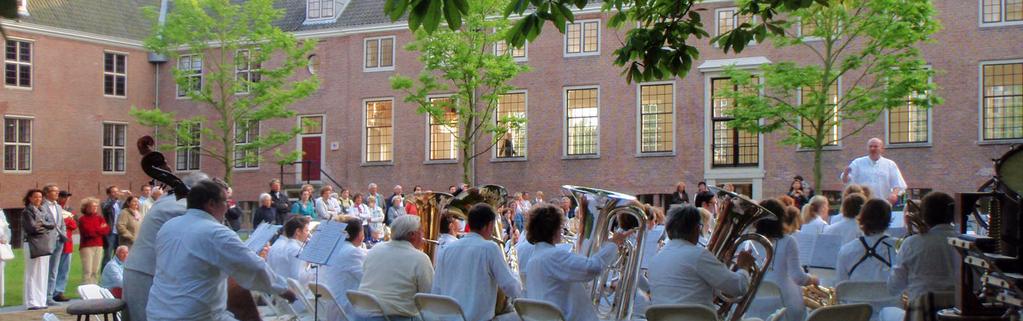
<point>396,270</point>
<point>375,217</point>
<point>397,208</point>
<point>265,213</point>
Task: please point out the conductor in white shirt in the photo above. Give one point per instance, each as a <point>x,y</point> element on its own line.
<point>194,256</point>
<point>471,269</point>
<point>874,171</point>
<point>685,273</point>
<point>557,276</point>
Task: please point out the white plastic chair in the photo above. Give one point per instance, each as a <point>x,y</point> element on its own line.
<point>50,317</point>
<point>91,291</point>
<point>536,310</point>
<point>438,307</point>
<point>842,312</point>
<point>680,312</point>
<point>863,292</point>
<point>366,304</point>
<point>327,299</point>
<point>302,295</point>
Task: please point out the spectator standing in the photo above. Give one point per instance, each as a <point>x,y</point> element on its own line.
<point>702,194</point>
<point>798,192</point>
<point>566,206</point>
<point>376,216</point>
<point>396,191</point>
<point>281,204</point>
<point>304,205</point>
<point>379,199</point>
<point>129,221</point>
<point>38,228</point>
<point>326,206</point>
<point>5,238</point>
<point>111,209</point>
<point>92,230</point>
<point>233,218</point>
<point>53,210</point>
<point>345,201</point>
<point>397,208</point>
<point>680,196</point>
<point>113,273</point>
<point>265,213</point>
<point>145,198</point>
<point>538,200</point>
<point>64,268</point>
<point>520,212</point>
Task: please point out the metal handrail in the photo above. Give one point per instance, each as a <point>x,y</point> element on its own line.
<point>305,172</point>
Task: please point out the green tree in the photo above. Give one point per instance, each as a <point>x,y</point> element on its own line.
<point>866,46</point>
<point>247,76</point>
<point>464,61</point>
<point>658,48</point>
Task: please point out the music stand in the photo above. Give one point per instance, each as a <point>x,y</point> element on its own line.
<point>318,252</point>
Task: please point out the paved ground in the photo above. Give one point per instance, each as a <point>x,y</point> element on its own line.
<point>18,313</point>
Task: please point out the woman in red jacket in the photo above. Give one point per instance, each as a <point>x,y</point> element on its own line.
<point>92,229</point>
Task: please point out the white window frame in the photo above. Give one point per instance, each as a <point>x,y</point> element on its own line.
<point>1000,23</point>
<point>715,69</point>
<point>509,50</point>
<point>365,46</point>
<point>115,74</point>
<point>930,127</point>
<point>249,71</point>
<point>197,146</point>
<point>494,157</point>
<point>639,119</point>
<point>245,167</point>
<point>582,39</point>
<point>564,121</point>
<point>735,23</point>
<point>114,148</point>
<point>799,32</point>
<point>31,136</point>
<point>429,136</point>
<point>321,17</point>
<point>838,126</point>
<point>30,64</point>
<point>365,137</point>
<point>980,104</point>
<point>202,61</point>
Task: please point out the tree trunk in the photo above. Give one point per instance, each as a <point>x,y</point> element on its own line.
<point>817,151</point>
<point>466,165</point>
<point>228,160</point>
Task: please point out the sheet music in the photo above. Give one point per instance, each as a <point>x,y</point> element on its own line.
<point>321,245</point>
<point>825,251</point>
<point>804,241</point>
<point>263,233</point>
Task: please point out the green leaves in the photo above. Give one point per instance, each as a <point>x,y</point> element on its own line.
<point>428,13</point>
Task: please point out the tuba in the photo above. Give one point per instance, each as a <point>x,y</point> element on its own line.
<point>735,217</point>
<point>612,292</point>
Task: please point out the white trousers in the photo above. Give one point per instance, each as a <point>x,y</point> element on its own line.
<point>37,272</point>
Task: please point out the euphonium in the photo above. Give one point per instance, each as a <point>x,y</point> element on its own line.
<point>612,292</point>
<point>738,214</point>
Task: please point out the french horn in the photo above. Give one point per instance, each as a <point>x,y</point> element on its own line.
<point>737,215</point>
<point>612,292</point>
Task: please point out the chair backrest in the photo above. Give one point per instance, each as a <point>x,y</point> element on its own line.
<point>91,291</point>
<point>300,293</point>
<point>929,303</point>
<point>680,312</point>
<point>776,315</point>
<point>862,292</point>
<point>366,304</point>
<point>327,298</point>
<point>536,310</point>
<point>438,307</point>
<point>842,312</point>
<point>50,317</point>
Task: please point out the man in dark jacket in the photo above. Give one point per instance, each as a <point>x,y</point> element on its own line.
<point>233,218</point>
<point>111,210</point>
<point>280,202</point>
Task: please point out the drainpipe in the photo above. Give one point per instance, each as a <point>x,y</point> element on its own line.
<point>158,59</point>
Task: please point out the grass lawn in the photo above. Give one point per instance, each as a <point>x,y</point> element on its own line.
<point>14,276</point>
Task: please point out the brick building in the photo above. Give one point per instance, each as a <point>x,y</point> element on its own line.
<point>586,125</point>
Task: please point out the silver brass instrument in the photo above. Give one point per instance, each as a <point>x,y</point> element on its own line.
<point>612,292</point>
<point>736,215</point>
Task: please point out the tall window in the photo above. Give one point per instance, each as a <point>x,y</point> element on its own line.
<point>113,147</point>
<point>583,116</point>
<point>501,48</point>
<point>191,66</point>
<point>831,138</point>
<point>443,143</point>
<point>379,53</point>
<point>379,131</point>
<point>245,133</point>
<point>246,71</point>
<point>1003,101</point>
<point>115,74</point>
<point>909,123</point>
<point>998,11</point>
<point>18,63</point>
<point>731,147</point>
<point>656,118</point>
<point>582,38</point>
<point>511,105</point>
<point>320,9</point>
<point>187,151</point>
<point>728,20</point>
<point>17,144</point>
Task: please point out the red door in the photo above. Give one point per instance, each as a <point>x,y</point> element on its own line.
<point>311,147</point>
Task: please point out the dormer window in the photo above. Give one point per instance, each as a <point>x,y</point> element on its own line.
<point>320,9</point>
<point>22,7</point>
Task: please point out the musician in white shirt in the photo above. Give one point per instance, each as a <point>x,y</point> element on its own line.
<point>685,273</point>
<point>785,270</point>
<point>868,257</point>
<point>396,270</point>
<point>471,269</point>
<point>283,255</point>
<point>926,262</point>
<point>848,229</point>
<point>557,276</point>
<point>874,171</point>
<point>448,230</point>
<point>343,271</point>
<point>194,256</point>
<point>815,215</point>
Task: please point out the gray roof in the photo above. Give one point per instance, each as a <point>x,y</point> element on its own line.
<point>124,18</point>
<point>118,18</point>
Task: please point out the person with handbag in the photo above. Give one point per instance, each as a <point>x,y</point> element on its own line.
<point>6,253</point>
<point>40,240</point>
